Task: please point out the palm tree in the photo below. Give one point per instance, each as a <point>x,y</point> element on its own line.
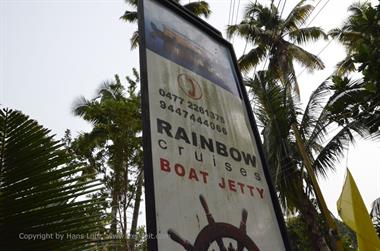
<point>280,119</point>
<point>284,160</point>
<point>277,40</point>
<point>360,35</point>
<point>360,24</point>
<point>41,191</point>
<point>198,8</point>
<point>115,116</point>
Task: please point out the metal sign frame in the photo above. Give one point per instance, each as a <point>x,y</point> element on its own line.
<point>147,144</point>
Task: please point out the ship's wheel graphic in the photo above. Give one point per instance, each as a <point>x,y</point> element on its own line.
<point>216,232</point>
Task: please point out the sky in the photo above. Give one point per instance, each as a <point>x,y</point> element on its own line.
<point>53,51</point>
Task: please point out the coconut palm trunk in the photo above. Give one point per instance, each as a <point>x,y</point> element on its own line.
<point>117,166</point>
<point>136,211</point>
<point>309,214</point>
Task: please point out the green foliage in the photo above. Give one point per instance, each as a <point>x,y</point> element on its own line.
<point>278,112</point>
<point>361,37</point>
<point>300,241</point>
<point>41,191</point>
<point>276,115</point>
<point>113,149</point>
<point>347,236</point>
<point>141,239</point>
<point>277,40</point>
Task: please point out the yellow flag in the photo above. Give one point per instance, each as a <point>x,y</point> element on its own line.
<point>354,214</point>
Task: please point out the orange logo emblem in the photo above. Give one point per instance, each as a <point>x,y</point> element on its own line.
<point>189,86</point>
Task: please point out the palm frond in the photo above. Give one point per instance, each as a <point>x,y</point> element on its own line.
<point>312,113</point>
<point>135,40</point>
<point>200,8</point>
<point>358,8</point>
<point>334,33</point>
<point>133,3</point>
<point>252,9</point>
<point>246,29</point>
<point>129,16</point>
<point>305,58</point>
<point>335,147</point>
<point>291,81</point>
<point>89,110</point>
<point>297,16</point>
<point>276,118</point>
<point>304,35</point>
<point>39,190</point>
<point>335,110</point>
<point>80,105</point>
<point>251,59</point>
<point>346,93</point>
<point>345,66</point>
<point>111,89</point>
<point>345,35</point>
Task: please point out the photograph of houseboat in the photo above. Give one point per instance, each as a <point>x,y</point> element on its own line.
<point>179,48</point>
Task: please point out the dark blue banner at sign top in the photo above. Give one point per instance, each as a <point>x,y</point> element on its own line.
<point>182,43</point>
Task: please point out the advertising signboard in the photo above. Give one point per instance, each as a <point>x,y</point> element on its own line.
<point>206,183</point>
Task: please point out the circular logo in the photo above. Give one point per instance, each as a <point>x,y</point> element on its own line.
<point>189,86</point>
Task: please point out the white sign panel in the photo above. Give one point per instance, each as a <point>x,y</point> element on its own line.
<point>210,191</point>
